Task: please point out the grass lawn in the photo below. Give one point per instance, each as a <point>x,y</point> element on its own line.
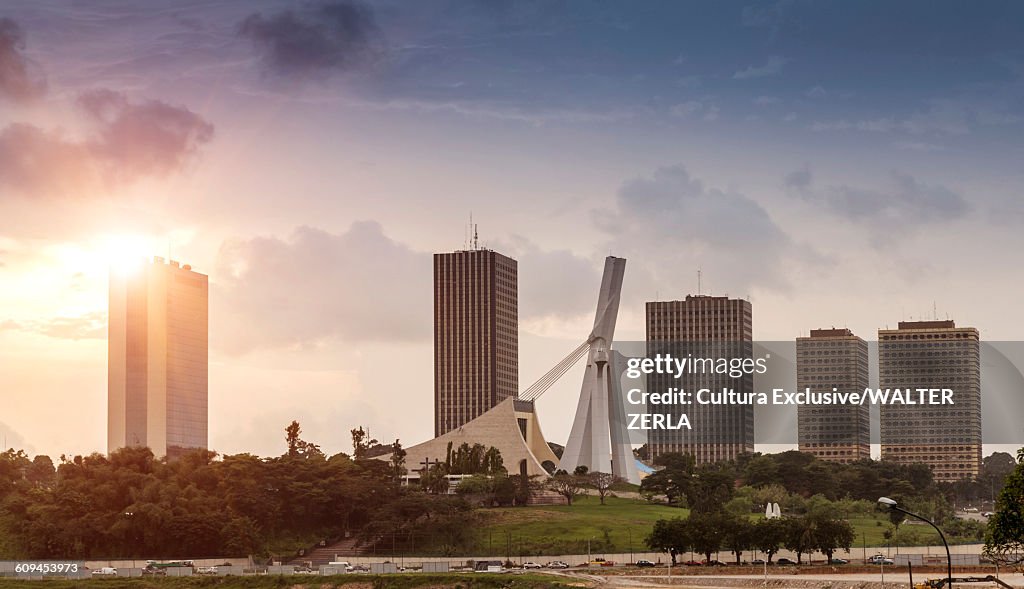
<point>564,529</point>
<point>561,529</point>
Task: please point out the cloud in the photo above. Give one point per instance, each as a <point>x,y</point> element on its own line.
<point>552,283</point>
<point>941,117</point>
<point>127,141</point>
<point>18,81</point>
<point>361,286</point>
<point>798,179</point>
<point>88,326</point>
<point>357,286</point>
<point>918,146</point>
<point>766,100</point>
<point>333,36</point>
<point>772,67</point>
<point>690,108</point>
<point>902,201</point>
<point>675,223</point>
<point>816,92</point>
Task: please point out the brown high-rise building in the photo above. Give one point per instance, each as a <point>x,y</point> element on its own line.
<point>833,359</point>
<point>157,364</point>
<point>702,327</point>
<point>932,354</point>
<point>476,335</point>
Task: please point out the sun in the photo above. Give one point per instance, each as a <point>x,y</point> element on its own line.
<point>123,253</point>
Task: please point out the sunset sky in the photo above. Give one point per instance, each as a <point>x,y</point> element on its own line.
<point>837,163</point>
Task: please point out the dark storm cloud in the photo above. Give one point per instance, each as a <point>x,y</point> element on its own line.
<point>18,82</point>
<point>901,201</point>
<point>128,141</point>
<point>332,36</point>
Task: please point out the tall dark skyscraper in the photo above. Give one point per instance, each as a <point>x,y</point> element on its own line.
<point>476,335</point>
<point>833,358</point>
<point>932,354</point>
<point>158,359</point>
<point>703,327</point>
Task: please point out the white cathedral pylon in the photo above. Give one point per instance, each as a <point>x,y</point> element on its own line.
<point>599,439</point>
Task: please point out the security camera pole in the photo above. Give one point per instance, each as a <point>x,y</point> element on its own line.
<point>891,504</point>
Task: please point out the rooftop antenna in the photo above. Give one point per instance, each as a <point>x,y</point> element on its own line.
<point>476,240</point>
<point>699,292</point>
<point>935,311</point>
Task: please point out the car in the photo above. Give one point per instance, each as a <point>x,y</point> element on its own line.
<point>557,564</point>
<point>880,560</point>
<point>839,561</point>
<point>531,565</point>
<point>644,563</point>
<point>759,561</point>
<point>713,563</point>
<point>692,563</point>
<point>341,563</point>
<point>206,570</point>
<point>987,514</point>
<point>105,572</point>
<point>306,571</point>
<point>785,560</point>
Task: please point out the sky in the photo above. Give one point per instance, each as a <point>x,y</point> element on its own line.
<point>838,164</point>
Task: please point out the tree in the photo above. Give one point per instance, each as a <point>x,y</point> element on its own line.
<point>738,534</point>
<point>673,479</point>
<point>706,532</point>
<point>602,482</point>
<point>710,489</point>
<point>398,459</point>
<point>361,442</point>
<point>669,535</point>
<point>297,447</point>
<point>1004,539</point>
<point>567,485</point>
<point>831,534</point>
<point>799,536</point>
<point>769,535</point>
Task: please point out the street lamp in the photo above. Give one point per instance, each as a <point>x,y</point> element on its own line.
<point>891,504</point>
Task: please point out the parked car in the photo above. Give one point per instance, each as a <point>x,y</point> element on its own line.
<point>839,561</point>
<point>342,563</point>
<point>713,563</point>
<point>531,565</point>
<point>880,559</point>
<point>759,561</point>
<point>644,563</point>
<point>692,563</point>
<point>306,571</point>
<point>557,564</point>
<point>105,572</point>
<point>206,570</point>
<point>785,560</point>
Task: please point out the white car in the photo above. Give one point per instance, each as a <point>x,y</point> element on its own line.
<point>557,564</point>
<point>105,572</point>
<point>531,565</point>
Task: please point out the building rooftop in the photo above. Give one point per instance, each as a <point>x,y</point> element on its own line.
<point>945,324</point>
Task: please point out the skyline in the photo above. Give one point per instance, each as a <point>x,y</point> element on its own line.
<point>762,144</point>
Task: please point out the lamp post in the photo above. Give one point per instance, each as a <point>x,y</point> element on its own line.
<point>891,504</point>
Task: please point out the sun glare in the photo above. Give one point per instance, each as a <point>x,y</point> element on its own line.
<point>124,254</point>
